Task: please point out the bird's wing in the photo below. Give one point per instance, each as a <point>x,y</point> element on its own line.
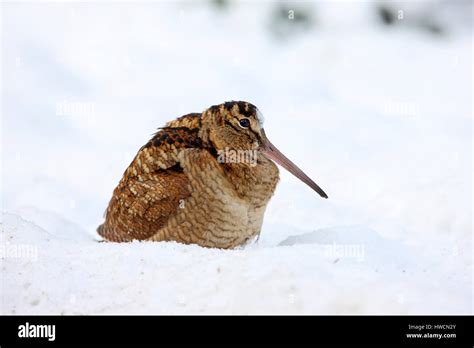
<point>152,189</point>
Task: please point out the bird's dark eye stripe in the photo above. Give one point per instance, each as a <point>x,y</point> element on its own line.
<point>232,125</point>
<point>244,122</point>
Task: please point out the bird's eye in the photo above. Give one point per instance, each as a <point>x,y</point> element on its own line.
<point>244,123</point>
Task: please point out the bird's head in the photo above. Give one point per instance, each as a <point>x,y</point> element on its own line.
<point>238,125</point>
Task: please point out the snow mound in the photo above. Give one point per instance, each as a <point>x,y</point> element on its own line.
<point>68,272</point>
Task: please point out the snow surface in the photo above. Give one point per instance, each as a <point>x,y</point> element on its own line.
<point>380,118</point>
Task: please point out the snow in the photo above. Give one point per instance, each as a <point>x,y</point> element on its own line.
<point>380,118</point>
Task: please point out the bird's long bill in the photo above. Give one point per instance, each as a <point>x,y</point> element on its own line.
<point>273,153</point>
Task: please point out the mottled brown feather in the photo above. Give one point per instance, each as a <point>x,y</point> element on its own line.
<point>153,186</point>
<point>177,188</point>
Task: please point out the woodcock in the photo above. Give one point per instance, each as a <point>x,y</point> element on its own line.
<point>205,178</point>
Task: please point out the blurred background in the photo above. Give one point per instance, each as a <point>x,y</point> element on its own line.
<point>373,100</point>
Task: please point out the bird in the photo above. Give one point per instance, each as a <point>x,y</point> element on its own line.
<point>204,178</point>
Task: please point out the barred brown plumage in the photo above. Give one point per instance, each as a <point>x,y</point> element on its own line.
<point>177,188</point>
